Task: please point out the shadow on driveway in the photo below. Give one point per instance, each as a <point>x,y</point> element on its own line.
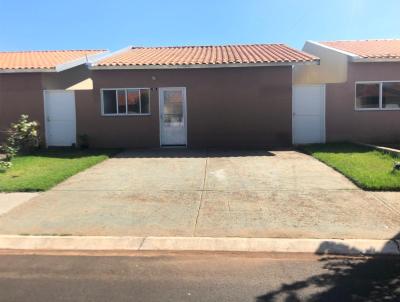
<point>196,153</point>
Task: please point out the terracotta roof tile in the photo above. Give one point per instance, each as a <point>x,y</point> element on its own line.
<point>207,55</point>
<point>369,49</point>
<point>48,59</point>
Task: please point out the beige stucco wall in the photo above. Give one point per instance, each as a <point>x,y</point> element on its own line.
<point>77,78</point>
<point>332,67</point>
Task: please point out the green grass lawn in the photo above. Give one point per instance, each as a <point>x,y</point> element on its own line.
<point>45,168</point>
<point>366,167</point>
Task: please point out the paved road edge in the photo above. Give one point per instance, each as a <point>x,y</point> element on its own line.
<point>229,244</point>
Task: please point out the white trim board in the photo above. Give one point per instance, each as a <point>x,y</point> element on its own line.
<point>195,66</point>
<point>107,55</point>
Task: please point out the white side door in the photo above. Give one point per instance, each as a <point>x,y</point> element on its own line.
<point>308,114</point>
<point>60,117</point>
<point>173,116</point>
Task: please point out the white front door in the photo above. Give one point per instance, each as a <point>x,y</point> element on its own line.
<point>172,116</point>
<point>60,117</point>
<point>308,114</point>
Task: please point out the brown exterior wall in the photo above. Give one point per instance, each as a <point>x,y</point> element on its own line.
<point>226,107</point>
<point>20,93</point>
<point>344,123</point>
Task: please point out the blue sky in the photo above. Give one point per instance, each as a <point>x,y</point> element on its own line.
<point>113,24</point>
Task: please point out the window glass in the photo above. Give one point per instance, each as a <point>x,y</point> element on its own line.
<point>133,100</point>
<point>391,95</point>
<point>126,101</point>
<point>110,102</point>
<point>144,100</point>
<point>121,101</point>
<point>367,95</point>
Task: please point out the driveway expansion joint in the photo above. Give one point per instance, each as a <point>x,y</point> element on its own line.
<point>201,196</point>
<point>385,204</point>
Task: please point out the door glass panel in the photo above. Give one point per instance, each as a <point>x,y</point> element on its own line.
<point>173,108</point>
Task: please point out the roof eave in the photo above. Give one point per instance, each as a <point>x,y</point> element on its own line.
<point>349,54</point>
<point>197,66</point>
<point>375,60</point>
<point>27,70</point>
<point>87,59</point>
<point>109,54</point>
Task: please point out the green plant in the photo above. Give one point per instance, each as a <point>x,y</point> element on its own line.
<point>23,137</point>
<point>9,151</point>
<point>4,165</point>
<point>396,167</point>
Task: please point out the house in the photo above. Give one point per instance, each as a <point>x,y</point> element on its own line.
<point>352,95</point>
<point>28,78</point>
<point>195,96</point>
<point>258,95</point>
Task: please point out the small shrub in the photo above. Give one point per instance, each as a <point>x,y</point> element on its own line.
<point>23,137</point>
<point>4,165</point>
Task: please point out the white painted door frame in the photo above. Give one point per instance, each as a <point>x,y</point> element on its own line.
<point>322,124</point>
<point>161,112</point>
<point>47,121</point>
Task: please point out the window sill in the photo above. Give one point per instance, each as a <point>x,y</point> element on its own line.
<point>377,109</point>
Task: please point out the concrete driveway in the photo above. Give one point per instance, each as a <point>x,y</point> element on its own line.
<point>211,193</point>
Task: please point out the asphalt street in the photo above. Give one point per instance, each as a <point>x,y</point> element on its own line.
<point>196,277</point>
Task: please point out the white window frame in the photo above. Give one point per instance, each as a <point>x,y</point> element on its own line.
<point>381,108</point>
<point>126,102</point>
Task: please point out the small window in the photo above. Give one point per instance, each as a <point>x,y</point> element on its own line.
<point>126,101</point>
<point>391,95</point>
<point>367,95</point>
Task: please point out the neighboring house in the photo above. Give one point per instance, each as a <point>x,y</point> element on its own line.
<point>29,78</point>
<point>353,95</point>
<point>200,96</point>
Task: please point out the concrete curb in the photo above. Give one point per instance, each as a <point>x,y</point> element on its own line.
<point>393,151</point>
<point>229,244</point>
